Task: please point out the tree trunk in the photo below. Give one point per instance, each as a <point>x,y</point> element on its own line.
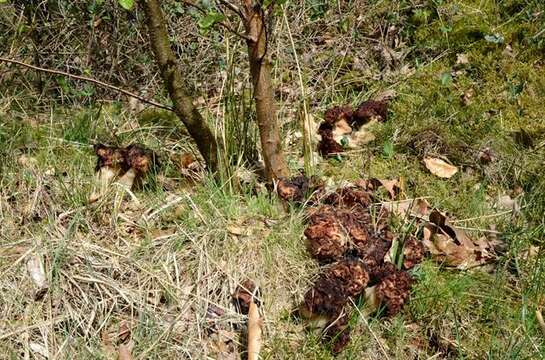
<point>172,77</point>
<point>260,71</point>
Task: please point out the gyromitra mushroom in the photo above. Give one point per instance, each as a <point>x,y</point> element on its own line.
<point>338,113</point>
<point>413,252</point>
<point>327,239</point>
<point>336,285</point>
<point>349,197</point>
<point>394,290</point>
<point>370,110</point>
<point>327,145</point>
<point>298,188</point>
<point>338,333</point>
<point>139,161</point>
<point>111,163</point>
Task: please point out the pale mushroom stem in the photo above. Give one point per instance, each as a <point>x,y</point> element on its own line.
<point>104,177</point>
<point>128,178</point>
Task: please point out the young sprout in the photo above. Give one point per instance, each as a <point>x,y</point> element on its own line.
<point>139,161</point>
<point>110,164</point>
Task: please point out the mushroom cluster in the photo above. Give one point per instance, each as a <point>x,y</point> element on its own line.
<point>345,120</point>
<point>128,165</point>
<point>352,243</point>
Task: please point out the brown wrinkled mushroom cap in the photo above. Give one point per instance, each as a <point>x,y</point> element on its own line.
<point>413,252</point>
<point>338,113</point>
<point>338,333</point>
<point>352,276</point>
<point>394,290</point>
<point>373,251</point>
<point>110,156</point>
<point>327,240</point>
<point>298,188</point>
<point>349,197</point>
<point>323,299</point>
<point>243,295</point>
<point>140,159</point>
<point>335,286</point>
<point>369,110</point>
<point>327,145</point>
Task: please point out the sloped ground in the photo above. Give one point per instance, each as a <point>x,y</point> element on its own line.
<point>468,76</point>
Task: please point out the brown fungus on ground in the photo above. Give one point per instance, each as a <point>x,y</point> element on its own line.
<point>298,188</point>
<point>370,110</point>
<point>352,276</point>
<point>338,284</point>
<point>140,162</point>
<point>328,147</point>
<point>349,197</point>
<point>323,300</point>
<point>338,113</point>
<point>338,333</point>
<point>244,294</point>
<point>413,252</point>
<point>111,163</point>
<point>327,240</point>
<point>394,290</point>
<point>373,251</point>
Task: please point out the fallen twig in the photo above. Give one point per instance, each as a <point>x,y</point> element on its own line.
<point>254,332</point>
<point>88,79</point>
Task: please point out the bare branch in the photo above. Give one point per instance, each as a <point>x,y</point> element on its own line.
<point>233,7</point>
<point>88,79</point>
<point>221,23</point>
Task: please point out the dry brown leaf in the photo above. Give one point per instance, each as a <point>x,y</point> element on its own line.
<point>254,332</point>
<point>413,207</point>
<point>235,230</point>
<point>453,247</point>
<point>27,161</point>
<point>440,168</point>
<point>37,274</point>
<point>462,59</point>
<point>38,349</point>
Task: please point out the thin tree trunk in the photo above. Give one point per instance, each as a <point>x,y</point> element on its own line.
<point>172,77</point>
<point>260,71</point>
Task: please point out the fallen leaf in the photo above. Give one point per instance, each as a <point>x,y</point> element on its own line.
<point>27,161</point>
<point>453,247</point>
<point>360,138</point>
<point>37,274</point>
<point>341,128</point>
<point>412,207</point>
<point>440,168</point>
<point>235,230</point>
<point>467,97</point>
<point>186,160</point>
<point>540,321</point>
<point>38,349</point>
<point>385,95</point>
<point>462,59</point>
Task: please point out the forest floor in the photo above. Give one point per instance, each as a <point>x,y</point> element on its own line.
<point>467,75</point>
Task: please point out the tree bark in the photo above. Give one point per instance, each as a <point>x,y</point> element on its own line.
<point>172,77</point>
<point>260,71</point>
